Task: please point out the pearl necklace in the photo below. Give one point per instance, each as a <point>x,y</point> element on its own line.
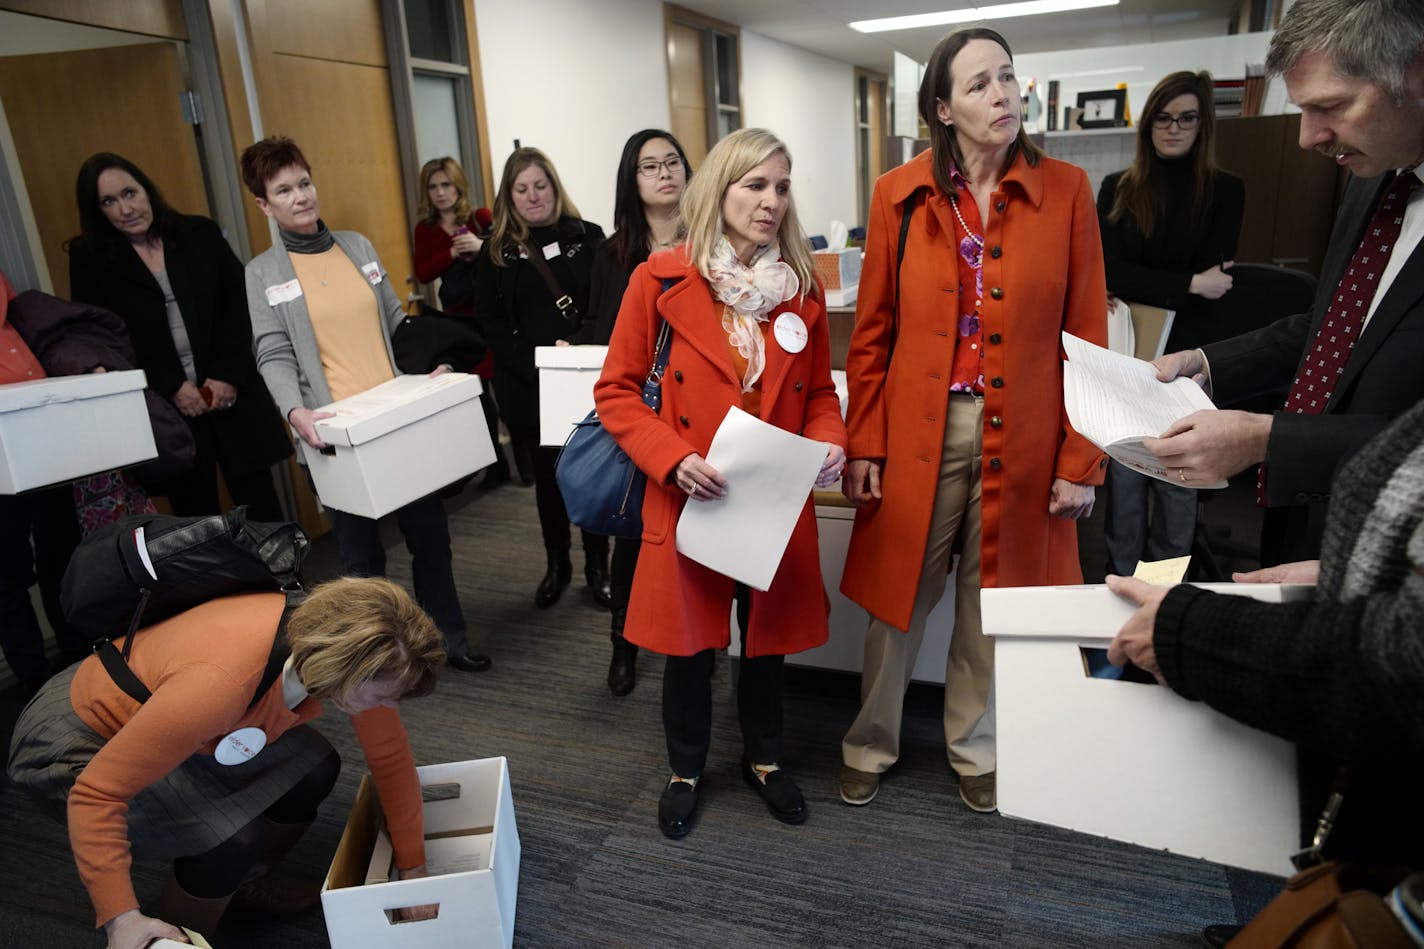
<point>954,203</point>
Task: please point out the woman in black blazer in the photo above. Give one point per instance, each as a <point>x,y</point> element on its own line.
<point>179,289</point>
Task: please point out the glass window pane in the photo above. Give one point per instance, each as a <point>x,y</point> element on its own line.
<point>428,24</point>
<point>727,70</point>
<point>437,131</point>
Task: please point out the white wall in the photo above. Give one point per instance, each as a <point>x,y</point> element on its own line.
<point>1140,66</point>
<point>574,79</point>
<point>578,90</point>
<point>809,102</point>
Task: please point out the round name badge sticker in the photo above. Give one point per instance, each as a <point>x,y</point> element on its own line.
<point>790,332</point>
<point>240,746</point>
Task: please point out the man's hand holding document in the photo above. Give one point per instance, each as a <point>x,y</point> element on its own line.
<point>1116,402</point>
<point>769,473</point>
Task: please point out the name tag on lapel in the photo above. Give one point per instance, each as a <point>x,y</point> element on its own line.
<point>372,272</point>
<point>284,292</point>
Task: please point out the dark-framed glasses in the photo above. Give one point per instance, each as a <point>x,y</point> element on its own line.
<point>1186,121</point>
<point>652,168</point>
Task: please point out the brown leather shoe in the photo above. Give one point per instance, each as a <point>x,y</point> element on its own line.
<point>858,787</point>
<point>978,792</point>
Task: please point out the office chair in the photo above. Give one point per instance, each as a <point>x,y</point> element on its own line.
<point>1260,294</point>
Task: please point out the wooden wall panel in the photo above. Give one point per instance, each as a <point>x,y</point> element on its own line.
<point>137,116</point>
<point>347,31</point>
<point>342,117</point>
<point>149,17</point>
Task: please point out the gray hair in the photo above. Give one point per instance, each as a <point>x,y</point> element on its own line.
<point>1374,40</point>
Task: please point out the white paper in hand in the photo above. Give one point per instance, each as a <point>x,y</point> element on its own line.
<point>1116,401</point>
<point>770,473</point>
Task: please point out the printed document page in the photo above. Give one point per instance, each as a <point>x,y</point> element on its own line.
<point>770,473</point>
<point>1116,401</point>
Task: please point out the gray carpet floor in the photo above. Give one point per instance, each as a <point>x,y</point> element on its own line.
<point>914,868</point>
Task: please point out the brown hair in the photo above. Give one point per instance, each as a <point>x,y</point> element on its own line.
<point>456,174</point>
<point>357,629</point>
<point>939,84</point>
<point>1142,191</point>
<point>261,161</point>
<point>509,229</point>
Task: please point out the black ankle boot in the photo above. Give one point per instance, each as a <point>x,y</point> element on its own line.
<point>595,574</point>
<point>623,668</point>
<point>555,579</point>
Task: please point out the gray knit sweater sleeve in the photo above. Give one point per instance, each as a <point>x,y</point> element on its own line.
<point>1346,671</point>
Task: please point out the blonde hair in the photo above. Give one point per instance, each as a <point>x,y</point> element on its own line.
<point>456,174</point>
<point>509,229</point>
<point>358,629</point>
<point>701,207</point>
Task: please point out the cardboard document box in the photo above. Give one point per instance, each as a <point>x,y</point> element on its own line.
<point>566,378</point>
<point>472,852</point>
<point>1123,759</point>
<point>400,441</point>
<point>56,430</point>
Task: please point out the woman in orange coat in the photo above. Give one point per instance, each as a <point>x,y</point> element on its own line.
<point>956,420</point>
<point>748,331</point>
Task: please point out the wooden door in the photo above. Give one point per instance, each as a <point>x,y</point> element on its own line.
<point>687,88</point>
<point>64,107</point>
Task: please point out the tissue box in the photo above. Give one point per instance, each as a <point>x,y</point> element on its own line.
<point>1126,760</point>
<point>56,430</point>
<point>472,852</point>
<point>400,441</point>
<point>566,378</point>
<point>838,269</point>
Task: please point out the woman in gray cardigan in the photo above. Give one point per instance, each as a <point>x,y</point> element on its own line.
<point>322,316</point>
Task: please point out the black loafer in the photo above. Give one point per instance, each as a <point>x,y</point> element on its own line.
<point>1218,936</point>
<point>676,808</point>
<point>782,796</point>
<point>470,662</point>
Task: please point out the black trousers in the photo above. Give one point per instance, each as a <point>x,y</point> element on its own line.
<point>553,516</point>
<point>427,536</point>
<point>38,534</point>
<point>197,491</point>
<point>622,565</point>
<point>687,703</point>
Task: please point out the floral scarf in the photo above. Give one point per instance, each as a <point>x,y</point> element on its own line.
<point>750,293</point>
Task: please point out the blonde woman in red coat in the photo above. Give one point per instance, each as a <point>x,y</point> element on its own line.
<point>739,291</point>
<point>958,437</point>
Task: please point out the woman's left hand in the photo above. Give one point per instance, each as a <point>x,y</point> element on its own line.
<point>224,393</point>
<point>1069,501</point>
<point>700,480</point>
<point>832,467</point>
<point>411,913</point>
<point>1134,641</point>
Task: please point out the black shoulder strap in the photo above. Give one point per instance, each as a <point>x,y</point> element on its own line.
<point>908,213</point>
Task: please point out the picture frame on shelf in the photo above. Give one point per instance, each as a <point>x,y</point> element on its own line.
<point>1105,109</point>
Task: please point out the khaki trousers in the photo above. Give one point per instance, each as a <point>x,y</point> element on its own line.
<point>873,742</point>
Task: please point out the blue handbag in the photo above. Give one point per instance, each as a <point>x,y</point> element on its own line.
<point>602,488</point>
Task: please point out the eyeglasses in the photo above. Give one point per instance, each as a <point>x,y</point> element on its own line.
<point>652,169</point>
<point>1186,121</point>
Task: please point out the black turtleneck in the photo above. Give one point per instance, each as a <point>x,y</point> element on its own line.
<point>1158,269</point>
<point>317,243</point>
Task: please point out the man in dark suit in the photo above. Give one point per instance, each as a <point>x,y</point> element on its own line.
<point>1355,360</point>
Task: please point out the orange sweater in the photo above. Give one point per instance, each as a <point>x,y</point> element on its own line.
<point>202,667</point>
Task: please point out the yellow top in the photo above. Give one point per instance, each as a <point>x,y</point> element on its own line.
<point>346,321</point>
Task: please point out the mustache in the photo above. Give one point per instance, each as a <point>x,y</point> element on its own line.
<point>1334,149</point>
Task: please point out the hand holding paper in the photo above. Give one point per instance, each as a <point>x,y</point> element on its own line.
<point>1118,403</point>
<point>768,473</point>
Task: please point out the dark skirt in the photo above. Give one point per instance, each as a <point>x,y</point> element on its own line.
<point>191,810</point>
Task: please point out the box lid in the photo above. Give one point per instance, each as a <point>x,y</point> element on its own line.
<point>1092,612</point>
<point>392,405</point>
<point>37,392</point>
<point>569,357</point>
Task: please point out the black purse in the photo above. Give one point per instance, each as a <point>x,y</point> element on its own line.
<point>602,488</point>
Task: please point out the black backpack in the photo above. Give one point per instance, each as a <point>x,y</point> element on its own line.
<point>149,567</point>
